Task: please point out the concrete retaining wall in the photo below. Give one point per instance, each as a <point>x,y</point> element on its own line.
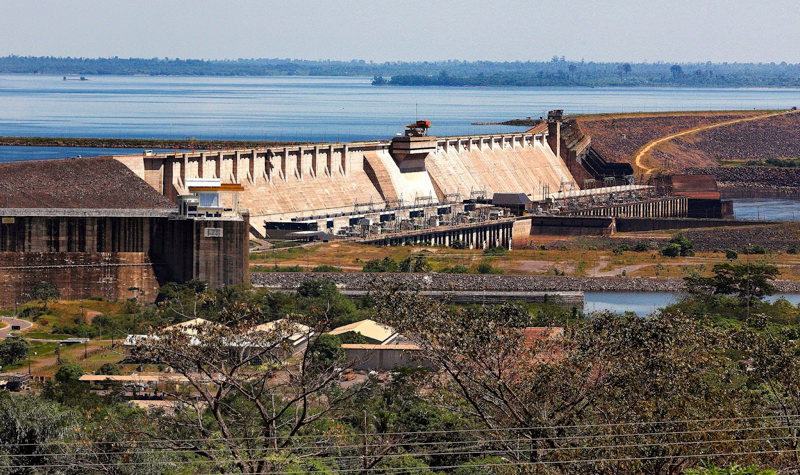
<point>572,225</point>
<point>383,357</point>
<point>105,256</point>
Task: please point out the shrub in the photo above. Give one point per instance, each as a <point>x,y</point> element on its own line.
<point>486,268</point>
<point>352,337</point>
<point>456,269</point>
<point>387,264</point>
<point>457,244</point>
<point>671,250</point>
<point>730,254</point>
<point>326,268</point>
<point>81,330</point>
<point>641,247</point>
<point>494,251</point>
<point>755,249</point>
<point>32,313</point>
<point>109,368</point>
<point>792,250</point>
<point>686,246</point>
<point>621,249</point>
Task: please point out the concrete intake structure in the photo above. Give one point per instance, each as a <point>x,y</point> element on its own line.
<point>92,228</point>
<point>281,183</point>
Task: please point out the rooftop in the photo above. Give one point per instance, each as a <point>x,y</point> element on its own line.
<point>368,328</point>
<point>88,183</point>
<point>509,199</point>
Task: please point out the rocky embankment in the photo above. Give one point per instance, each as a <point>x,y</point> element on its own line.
<point>467,282</point>
<point>777,237</point>
<point>767,178</point>
<point>480,282</point>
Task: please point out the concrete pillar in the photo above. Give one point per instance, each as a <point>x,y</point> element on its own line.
<point>345,150</point>
<point>329,160</point>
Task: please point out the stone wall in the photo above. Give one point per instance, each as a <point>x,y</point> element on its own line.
<point>77,275</point>
<point>105,256</point>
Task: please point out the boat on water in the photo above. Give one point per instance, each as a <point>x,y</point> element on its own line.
<point>69,78</point>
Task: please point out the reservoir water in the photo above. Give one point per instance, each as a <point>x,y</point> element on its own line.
<point>645,303</point>
<point>304,109</point>
<point>771,209</point>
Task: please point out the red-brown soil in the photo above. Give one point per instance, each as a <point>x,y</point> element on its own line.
<point>618,136</point>
<point>772,137</point>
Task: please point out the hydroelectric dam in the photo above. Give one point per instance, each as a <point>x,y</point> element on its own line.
<point>400,186</point>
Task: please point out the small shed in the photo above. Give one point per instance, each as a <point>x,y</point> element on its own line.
<point>516,203</point>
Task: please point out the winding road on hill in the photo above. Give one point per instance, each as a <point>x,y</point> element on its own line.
<point>638,159</point>
<point>10,323</point>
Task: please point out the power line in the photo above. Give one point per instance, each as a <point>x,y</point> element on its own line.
<point>506,464</point>
<point>443,443</point>
<point>503,429</point>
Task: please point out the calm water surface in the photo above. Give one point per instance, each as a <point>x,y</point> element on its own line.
<point>771,209</point>
<point>645,303</point>
<point>314,108</point>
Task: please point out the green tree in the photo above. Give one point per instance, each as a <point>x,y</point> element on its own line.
<point>327,351</point>
<point>733,469</point>
<point>109,369</point>
<point>69,373</point>
<point>687,246</point>
<point>748,281</point>
<point>677,71</point>
<point>608,368</point>
<point>248,420</point>
<point>45,291</point>
<point>418,264</point>
<point>31,432</point>
<point>13,349</point>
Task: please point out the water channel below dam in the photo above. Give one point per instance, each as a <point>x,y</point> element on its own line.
<point>645,303</point>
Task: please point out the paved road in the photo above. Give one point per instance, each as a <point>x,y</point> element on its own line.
<point>10,321</point>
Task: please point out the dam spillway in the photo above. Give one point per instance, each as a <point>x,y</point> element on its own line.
<point>285,182</point>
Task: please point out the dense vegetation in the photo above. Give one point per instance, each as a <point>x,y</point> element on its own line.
<point>709,383</point>
<point>557,72</point>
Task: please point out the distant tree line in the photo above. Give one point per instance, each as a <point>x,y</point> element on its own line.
<point>580,74</point>
<point>556,72</point>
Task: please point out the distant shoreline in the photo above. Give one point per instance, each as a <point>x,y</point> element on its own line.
<point>558,72</point>
<point>87,142</point>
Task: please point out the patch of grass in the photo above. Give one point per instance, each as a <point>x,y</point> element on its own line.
<point>47,336</point>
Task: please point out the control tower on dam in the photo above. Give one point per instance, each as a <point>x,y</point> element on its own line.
<point>299,181</point>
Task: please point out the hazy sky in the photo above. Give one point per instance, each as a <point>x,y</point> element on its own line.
<point>616,30</point>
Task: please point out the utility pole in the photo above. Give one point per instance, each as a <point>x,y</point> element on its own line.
<point>365,464</point>
<point>747,276</point>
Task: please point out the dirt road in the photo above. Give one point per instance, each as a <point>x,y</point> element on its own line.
<point>638,159</point>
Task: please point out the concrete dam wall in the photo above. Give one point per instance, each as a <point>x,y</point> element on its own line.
<point>281,183</point>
